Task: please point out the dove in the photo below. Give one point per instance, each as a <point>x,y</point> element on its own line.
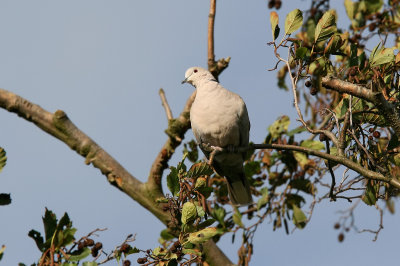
<point>219,118</point>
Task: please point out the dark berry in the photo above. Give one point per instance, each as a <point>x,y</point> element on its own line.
<point>125,248</point>
<point>313,91</point>
<point>336,226</point>
<point>341,237</point>
<point>271,4</point>
<point>278,4</point>
<point>322,137</point>
<point>372,27</point>
<point>89,242</point>
<point>127,263</point>
<point>308,83</point>
<point>94,252</point>
<point>98,245</point>
<point>142,260</point>
<point>376,134</point>
<point>371,129</point>
<point>148,251</point>
<point>81,245</point>
<point>370,138</point>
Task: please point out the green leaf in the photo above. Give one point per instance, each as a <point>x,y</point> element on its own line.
<point>326,27</point>
<point>293,21</point>
<point>191,150</point>
<point>219,214</point>
<point>299,218</point>
<point>313,144</point>
<point>373,6</point>
<point>206,223</point>
<point>237,218</point>
<point>279,127</point>
<point>189,212</point>
<point>334,43</point>
<point>5,199</point>
<point>173,181</point>
<point>200,210</point>
<point>369,196</point>
<point>38,239</point>
<point>274,19</point>
<point>252,168</point>
<point>166,234</point>
<point>263,199</point>
<point>204,235</point>
<point>79,254</point>
<point>301,52</point>
<point>303,185</point>
<point>3,158</point>
<point>301,158</point>
<point>69,264</point>
<point>89,263</point>
<point>297,130</point>
<point>200,169</point>
<point>191,251</point>
<point>351,8</point>
<point>49,223</point>
<point>381,55</point>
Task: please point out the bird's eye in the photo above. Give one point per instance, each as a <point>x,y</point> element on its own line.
<point>195,71</point>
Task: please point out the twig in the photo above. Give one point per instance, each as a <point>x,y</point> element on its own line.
<point>211,21</point>
<point>165,104</point>
<point>333,184</point>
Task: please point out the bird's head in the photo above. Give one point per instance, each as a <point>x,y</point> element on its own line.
<point>195,74</point>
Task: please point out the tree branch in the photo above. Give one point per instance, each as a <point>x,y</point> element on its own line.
<point>62,128</point>
<point>385,108</point>
<point>165,104</point>
<point>334,158</point>
<point>215,67</point>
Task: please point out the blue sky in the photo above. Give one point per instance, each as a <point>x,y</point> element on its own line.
<point>103,63</point>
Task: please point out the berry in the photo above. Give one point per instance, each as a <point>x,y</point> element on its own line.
<point>308,83</point>
<point>336,226</point>
<point>278,4</point>
<point>125,248</point>
<point>372,27</point>
<point>127,263</point>
<point>371,129</point>
<point>341,237</point>
<point>313,91</point>
<point>89,242</point>
<point>271,4</point>
<point>142,260</point>
<point>322,137</point>
<point>376,134</point>
<point>98,245</point>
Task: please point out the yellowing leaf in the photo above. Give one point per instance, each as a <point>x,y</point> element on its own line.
<point>293,21</point>
<point>326,26</point>
<point>381,55</point>
<point>274,18</point>
<point>279,126</point>
<point>189,212</point>
<point>313,144</point>
<point>204,235</point>
<point>299,218</point>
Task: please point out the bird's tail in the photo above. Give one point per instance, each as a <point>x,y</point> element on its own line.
<point>239,190</point>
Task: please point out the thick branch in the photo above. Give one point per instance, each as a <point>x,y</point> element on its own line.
<point>61,127</point>
<point>384,107</point>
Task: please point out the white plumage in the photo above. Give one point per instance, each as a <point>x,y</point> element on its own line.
<point>219,118</point>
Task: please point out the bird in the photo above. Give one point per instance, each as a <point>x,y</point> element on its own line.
<point>219,118</point>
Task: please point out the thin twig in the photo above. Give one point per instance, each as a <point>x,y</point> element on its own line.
<point>211,21</point>
<point>165,104</point>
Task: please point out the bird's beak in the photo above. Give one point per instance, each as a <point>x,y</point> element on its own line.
<point>184,81</point>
